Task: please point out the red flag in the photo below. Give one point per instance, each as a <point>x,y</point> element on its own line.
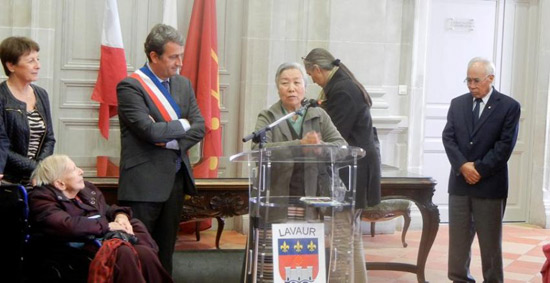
<point>200,65</point>
<point>112,67</point>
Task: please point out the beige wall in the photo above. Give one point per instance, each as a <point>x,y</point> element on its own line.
<point>373,38</point>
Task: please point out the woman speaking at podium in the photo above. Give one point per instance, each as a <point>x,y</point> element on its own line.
<point>311,127</point>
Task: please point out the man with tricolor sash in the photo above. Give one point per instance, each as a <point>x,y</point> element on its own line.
<point>159,122</point>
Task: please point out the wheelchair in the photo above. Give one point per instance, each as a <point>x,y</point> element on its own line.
<point>31,257</point>
<point>14,213</point>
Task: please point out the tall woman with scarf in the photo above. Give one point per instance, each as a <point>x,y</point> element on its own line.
<point>348,104</point>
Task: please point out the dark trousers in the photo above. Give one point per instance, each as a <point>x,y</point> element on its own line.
<point>126,266</point>
<point>162,219</point>
<point>469,216</point>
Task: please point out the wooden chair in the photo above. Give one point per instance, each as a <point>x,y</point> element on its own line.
<point>387,210</point>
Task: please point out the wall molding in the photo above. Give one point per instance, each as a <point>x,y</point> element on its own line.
<point>68,30</point>
<point>87,123</point>
<point>66,84</point>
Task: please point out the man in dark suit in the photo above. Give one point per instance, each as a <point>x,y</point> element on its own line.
<point>159,122</point>
<point>481,132</point>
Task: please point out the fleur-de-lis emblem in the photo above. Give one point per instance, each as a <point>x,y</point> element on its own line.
<point>285,247</point>
<point>311,247</point>
<point>298,247</point>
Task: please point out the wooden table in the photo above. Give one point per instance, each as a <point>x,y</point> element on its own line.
<point>420,190</point>
<point>219,198</point>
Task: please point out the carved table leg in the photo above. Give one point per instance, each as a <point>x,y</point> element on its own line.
<point>430,225</point>
<point>198,230</point>
<point>221,224</point>
<point>407,223</point>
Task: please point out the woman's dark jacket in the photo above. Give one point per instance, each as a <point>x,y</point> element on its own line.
<point>53,214</point>
<point>18,165</point>
<point>4,145</point>
<point>350,114</point>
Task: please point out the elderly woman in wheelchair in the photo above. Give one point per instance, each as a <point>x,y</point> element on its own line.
<point>66,209</point>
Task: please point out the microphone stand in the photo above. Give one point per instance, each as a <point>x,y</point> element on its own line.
<point>259,136</point>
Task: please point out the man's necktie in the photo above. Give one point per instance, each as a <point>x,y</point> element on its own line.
<point>166,84</point>
<point>475,113</point>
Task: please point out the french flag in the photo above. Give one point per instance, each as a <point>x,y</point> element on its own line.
<point>112,67</point>
<point>170,13</point>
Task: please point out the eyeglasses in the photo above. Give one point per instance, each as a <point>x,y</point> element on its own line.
<point>474,81</point>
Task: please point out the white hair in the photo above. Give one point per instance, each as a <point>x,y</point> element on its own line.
<point>50,169</point>
<point>489,66</point>
<point>290,65</point>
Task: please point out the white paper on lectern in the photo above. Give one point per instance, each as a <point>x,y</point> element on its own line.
<point>299,252</point>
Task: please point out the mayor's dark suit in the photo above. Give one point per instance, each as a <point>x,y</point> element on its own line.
<point>489,145</point>
<point>148,171</point>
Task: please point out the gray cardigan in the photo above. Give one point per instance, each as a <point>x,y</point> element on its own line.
<point>311,179</point>
<point>315,119</point>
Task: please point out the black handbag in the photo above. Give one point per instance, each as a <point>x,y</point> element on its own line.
<point>119,234</point>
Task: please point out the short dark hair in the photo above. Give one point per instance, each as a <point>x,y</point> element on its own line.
<point>159,35</point>
<point>13,47</point>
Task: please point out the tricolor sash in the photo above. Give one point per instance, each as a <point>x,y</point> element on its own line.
<point>160,96</point>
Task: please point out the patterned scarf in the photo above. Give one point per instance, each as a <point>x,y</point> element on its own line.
<point>103,265</point>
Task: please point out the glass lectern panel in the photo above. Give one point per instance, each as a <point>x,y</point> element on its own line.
<point>301,213</point>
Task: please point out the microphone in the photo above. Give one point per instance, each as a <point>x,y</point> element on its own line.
<point>310,103</point>
<point>259,135</point>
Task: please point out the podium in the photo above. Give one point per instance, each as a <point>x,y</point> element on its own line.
<point>301,213</point>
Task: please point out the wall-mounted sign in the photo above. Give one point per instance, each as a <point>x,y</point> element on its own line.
<point>461,25</point>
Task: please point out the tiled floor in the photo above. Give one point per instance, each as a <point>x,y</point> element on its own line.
<point>522,252</point>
